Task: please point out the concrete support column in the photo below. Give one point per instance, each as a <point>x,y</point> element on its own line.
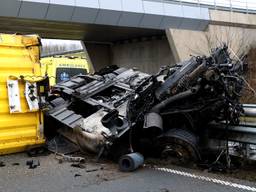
<point>146,54</point>
<point>185,43</point>
<point>99,55</point>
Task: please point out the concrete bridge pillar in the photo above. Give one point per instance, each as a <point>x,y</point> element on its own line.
<point>99,55</point>
<point>185,43</point>
<point>147,54</point>
<point>238,30</point>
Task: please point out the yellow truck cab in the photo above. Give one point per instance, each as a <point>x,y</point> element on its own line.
<point>62,68</point>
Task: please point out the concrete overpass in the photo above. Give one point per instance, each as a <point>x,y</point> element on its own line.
<point>80,19</point>
<point>124,32</point>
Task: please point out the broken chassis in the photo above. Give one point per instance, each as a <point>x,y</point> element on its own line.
<point>172,111</point>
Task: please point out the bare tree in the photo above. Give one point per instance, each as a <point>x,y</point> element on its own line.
<point>237,39</point>
<point>240,42</point>
<point>57,46</point>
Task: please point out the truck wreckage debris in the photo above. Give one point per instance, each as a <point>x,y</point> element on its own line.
<point>174,113</point>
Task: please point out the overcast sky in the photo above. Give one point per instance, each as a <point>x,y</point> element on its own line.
<point>60,42</point>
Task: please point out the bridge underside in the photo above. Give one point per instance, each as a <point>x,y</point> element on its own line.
<point>146,49</point>
<point>122,32</point>
<point>75,31</point>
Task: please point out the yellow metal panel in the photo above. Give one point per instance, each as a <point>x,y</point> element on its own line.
<point>19,57</point>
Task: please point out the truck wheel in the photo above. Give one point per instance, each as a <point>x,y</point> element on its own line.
<point>179,146</point>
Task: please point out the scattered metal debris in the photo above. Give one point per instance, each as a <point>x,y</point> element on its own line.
<point>131,162</point>
<point>32,164</point>
<point>69,158</point>
<point>77,175</point>
<point>78,165</point>
<point>164,190</point>
<point>92,170</point>
<point>61,145</point>
<point>2,164</point>
<point>36,152</point>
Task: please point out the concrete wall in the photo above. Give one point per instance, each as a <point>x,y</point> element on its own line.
<point>232,18</point>
<point>185,43</point>
<point>99,54</point>
<point>238,30</point>
<point>147,56</point>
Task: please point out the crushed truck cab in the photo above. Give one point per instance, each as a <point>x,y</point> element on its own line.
<point>118,111</point>
<point>98,114</point>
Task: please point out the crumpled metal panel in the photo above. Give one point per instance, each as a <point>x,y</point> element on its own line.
<point>19,55</point>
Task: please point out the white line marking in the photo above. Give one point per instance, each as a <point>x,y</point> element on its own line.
<point>217,181</point>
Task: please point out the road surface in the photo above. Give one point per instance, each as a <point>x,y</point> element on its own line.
<point>52,176</point>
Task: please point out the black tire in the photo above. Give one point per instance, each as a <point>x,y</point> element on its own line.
<point>179,146</point>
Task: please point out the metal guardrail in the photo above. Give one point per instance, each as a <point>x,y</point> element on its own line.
<point>245,6</point>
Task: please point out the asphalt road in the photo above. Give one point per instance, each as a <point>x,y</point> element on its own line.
<point>52,176</point>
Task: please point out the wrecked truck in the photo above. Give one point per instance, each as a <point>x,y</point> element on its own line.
<point>117,111</point>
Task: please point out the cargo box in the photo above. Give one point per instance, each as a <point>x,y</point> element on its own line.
<point>21,122</point>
